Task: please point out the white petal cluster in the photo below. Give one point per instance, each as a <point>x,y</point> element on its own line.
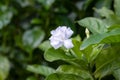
<point>60,37</point>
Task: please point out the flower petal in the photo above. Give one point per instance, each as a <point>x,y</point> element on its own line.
<point>69,32</point>
<point>55,42</point>
<point>59,32</point>
<point>68,43</point>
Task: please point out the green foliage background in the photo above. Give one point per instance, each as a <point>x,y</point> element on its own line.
<point>26,24</point>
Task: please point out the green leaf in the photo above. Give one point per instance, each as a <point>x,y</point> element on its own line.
<point>94,25</point>
<point>40,69</point>
<point>59,76</point>
<point>112,36</point>
<point>108,61</point>
<point>56,54</point>
<point>69,69</point>
<point>4,67</point>
<point>103,3</point>
<point>43,46</point>
<point>36,21</point>
<point>76,49</point>
<point>25,3</point>
<point>78,38</point>
<point>32,78</point>
<point>112,20</point>
<point>87,3</point>
<point>6,15</point>
<point>92,52</point>
<point>110,17</point>
<point>19,42</point>
<point>104,12</point>
<point>32,38</point>
<point>113,27</point>
<point>116,74</point>
<point>46,3</point>
<point>117,7</point>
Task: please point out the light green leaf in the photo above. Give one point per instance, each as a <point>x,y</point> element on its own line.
<point>46,3</point>
<point>112,36</point>
<point>94,25</point>
<point>4,67</point>
<point>56,54</point>
<point>69,69</point>
<point>40,69</point>
<point>117,7</point>
<point>5,15</point>
<point>110,17</point>
<point>45,45</point>
<point>104,12</point>
<point>76,49</point>
<point>78,38</point>
<point>59,76</point>
<point>116,74</point>
<point>32,38</point>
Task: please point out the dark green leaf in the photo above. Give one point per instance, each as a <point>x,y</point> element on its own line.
<point>108,62</point>
<point>64,20</point>
<point>87,3</point>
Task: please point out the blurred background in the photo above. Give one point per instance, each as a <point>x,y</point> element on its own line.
<point>26,24</point>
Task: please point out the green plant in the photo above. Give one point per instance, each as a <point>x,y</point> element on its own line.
<point>97,57</point>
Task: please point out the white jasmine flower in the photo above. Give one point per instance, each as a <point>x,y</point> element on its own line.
<point>60,37</point>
